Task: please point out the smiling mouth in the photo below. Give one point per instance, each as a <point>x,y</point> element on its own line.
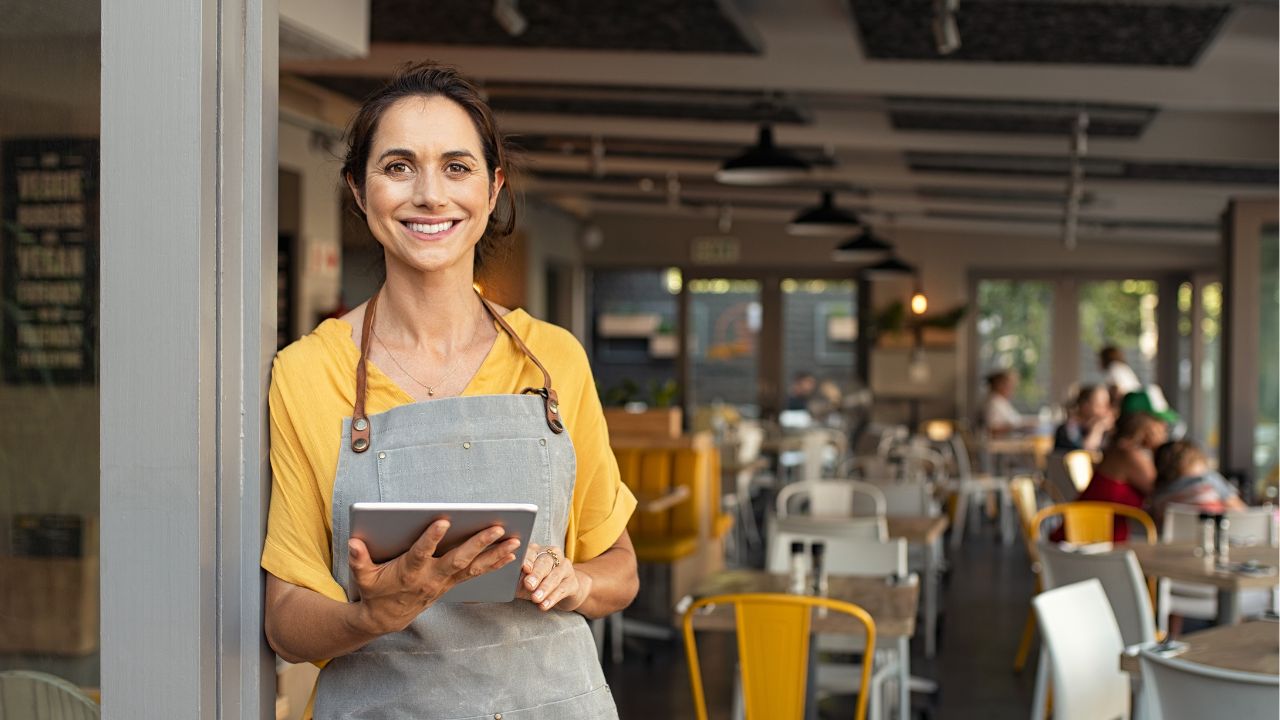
<point>430,228</point>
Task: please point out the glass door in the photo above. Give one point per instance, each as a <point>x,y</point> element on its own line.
<point>723,344</point>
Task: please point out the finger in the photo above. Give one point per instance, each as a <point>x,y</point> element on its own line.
<point>563,589</point>
<point>543,567</point>
<point>457,559</point>
<point>425,546</point>
<point>551,582</point>
<point>530,553</point>
<point>358,559</point>
<point>493,558</point>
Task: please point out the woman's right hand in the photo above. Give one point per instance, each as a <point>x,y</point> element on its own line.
<point>393,593</point>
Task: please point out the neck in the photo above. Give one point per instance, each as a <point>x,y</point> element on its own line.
<point>439,311</point>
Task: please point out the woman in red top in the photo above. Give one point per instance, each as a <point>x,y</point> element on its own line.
<point>1127,473</point>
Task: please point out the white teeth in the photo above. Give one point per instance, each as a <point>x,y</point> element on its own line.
<point>430,229</point>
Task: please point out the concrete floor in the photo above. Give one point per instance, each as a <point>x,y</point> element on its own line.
<point>986,599</point>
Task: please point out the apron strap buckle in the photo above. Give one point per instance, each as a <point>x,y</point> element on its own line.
<point>552,405</point>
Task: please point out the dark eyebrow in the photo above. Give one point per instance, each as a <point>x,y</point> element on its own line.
<point>395,152</point>
<point>454,154</point>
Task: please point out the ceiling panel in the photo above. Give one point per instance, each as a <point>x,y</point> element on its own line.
<point>1043,31</point>
<point>698,26</point>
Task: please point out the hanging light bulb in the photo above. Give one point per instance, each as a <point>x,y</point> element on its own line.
<point>919,303</point>
<point>762,164</point>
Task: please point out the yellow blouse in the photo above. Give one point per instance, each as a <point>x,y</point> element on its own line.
<point>313,390</point>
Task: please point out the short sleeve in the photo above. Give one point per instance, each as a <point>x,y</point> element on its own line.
<point>602,504</point>
<point>297,546</point>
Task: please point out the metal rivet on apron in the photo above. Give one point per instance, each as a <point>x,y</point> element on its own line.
<point>497,716</point>
<point>542,441</point>
<point>555,407</point>
<point>360,444</point>
<point>360,424</point>
<point>382,456</point>
<point>466,446</point>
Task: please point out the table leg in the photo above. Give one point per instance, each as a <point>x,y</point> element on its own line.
<point>931,563</point>
<point>961,514</point>
<point>904,678</point>
<point>1228,607</point>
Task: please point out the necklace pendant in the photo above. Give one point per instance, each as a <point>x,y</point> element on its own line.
<point>431,393</point>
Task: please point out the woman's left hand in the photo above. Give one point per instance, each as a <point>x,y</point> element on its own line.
<point>549,580</point>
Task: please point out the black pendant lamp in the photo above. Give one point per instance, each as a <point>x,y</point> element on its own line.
<point>863,247</point>
<point>824,219</point>
<point>762,164</point>
<point>890,267</point>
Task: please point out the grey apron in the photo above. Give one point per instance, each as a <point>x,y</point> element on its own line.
<point>504,661</point>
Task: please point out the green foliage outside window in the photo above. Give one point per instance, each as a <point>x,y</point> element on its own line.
<point>1014,332</point>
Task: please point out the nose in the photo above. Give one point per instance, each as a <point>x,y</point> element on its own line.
<point>428,190</point>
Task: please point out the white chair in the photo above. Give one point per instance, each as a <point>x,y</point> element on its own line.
<point>967,485</point>
<point>831,498</point>
<point>1122,581</point>
<point>920,462</point>
<point>869,528</point>
<point>1175,689</point>
<point>845,556</point>
<point>1254,526</point>
<point>743,449</point>
<point>908,497</point>
<point>39,696</point>
<point>1083,657</point>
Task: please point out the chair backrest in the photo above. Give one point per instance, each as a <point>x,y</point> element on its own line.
<point>1084,647</point>
<point>1022,489</point>
<point>1175,689</point>
<point>1121,579</point>
<point>845,555</point>
<point>870,528</point>
<point>832,498</point>
<point>655,472</point>
<point>1252,526</point>
<point>773,651</point>
<point>1091,521</point>
<point>1079,464</point>
<point>919,461</point>
<point>1060,485</point>
<point>890,437</point>
<point>908,497</point>
<point>960,454</point>
<point>749,438</point>
<point>40,696</point>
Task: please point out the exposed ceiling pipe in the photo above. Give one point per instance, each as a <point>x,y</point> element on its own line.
<point>1075,181</point>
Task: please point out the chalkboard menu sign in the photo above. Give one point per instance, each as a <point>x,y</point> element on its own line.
<point>49,196</point>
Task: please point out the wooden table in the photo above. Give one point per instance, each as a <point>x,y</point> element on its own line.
<point>893,607</point>
<point>1184,562</point>
<point>1248,647</point>
<point>926,532</point>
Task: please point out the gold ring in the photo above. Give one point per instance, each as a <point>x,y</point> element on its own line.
<point>555,557</point>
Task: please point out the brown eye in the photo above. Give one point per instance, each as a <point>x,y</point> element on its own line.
<point>457,168</point>
<point>398,167</point>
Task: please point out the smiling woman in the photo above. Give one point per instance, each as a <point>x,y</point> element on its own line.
<point>462,410</point>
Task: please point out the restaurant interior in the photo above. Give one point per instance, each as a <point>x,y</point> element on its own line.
<point>872,291</point>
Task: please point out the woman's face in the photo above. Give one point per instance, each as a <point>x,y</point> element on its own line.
<point>427,190</point>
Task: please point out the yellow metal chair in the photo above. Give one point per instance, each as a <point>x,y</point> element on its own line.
<point>1090,521</point>
<point>773,651</point>
<point>1023,490</point>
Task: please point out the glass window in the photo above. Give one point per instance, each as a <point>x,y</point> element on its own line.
<point>1266,449</point>
<point>819,333</point>
<point>633,339</point>
<point>1211,367</point>
<point>1120,313</point>
<point>49,488</point>
<point>1015,329</point>
<point>725,318</point>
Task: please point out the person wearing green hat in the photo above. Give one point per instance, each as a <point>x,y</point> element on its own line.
<point>1149,400</point>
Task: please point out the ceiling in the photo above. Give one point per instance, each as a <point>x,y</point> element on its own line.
<point>626,107</point>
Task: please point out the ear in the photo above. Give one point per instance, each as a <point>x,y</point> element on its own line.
<point>355,192</point>
<point>499,178</point>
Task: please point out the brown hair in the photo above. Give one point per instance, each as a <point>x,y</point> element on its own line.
<point>1086,394</point>
<point>1132,426</point>
<point>1110,354</point>
<point>1173,458</point>
<point>428,79</point>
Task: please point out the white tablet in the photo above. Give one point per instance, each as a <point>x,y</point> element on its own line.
<point>389,529</point>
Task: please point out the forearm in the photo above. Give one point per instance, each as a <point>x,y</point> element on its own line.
<point>305,626</point>
<point>614,582</point>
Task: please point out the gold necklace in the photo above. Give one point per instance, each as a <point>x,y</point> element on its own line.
<point>431,389</point>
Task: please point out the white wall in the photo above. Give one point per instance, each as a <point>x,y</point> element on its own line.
<point>319,253</point>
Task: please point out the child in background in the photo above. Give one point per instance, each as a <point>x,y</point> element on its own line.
<point>1183,477</point>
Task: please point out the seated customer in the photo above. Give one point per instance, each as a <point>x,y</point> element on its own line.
<point>1091,419</point>
<point>1183,477</point>
<point>1127,473</point>
<point>998,415</point>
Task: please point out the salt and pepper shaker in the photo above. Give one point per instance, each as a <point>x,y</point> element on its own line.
<point>1208,540</point>
<point>1221,543</point>
<point>798,583</point>
<point>819,567</point>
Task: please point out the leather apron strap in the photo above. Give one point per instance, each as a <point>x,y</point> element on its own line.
<point>360,426</point>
